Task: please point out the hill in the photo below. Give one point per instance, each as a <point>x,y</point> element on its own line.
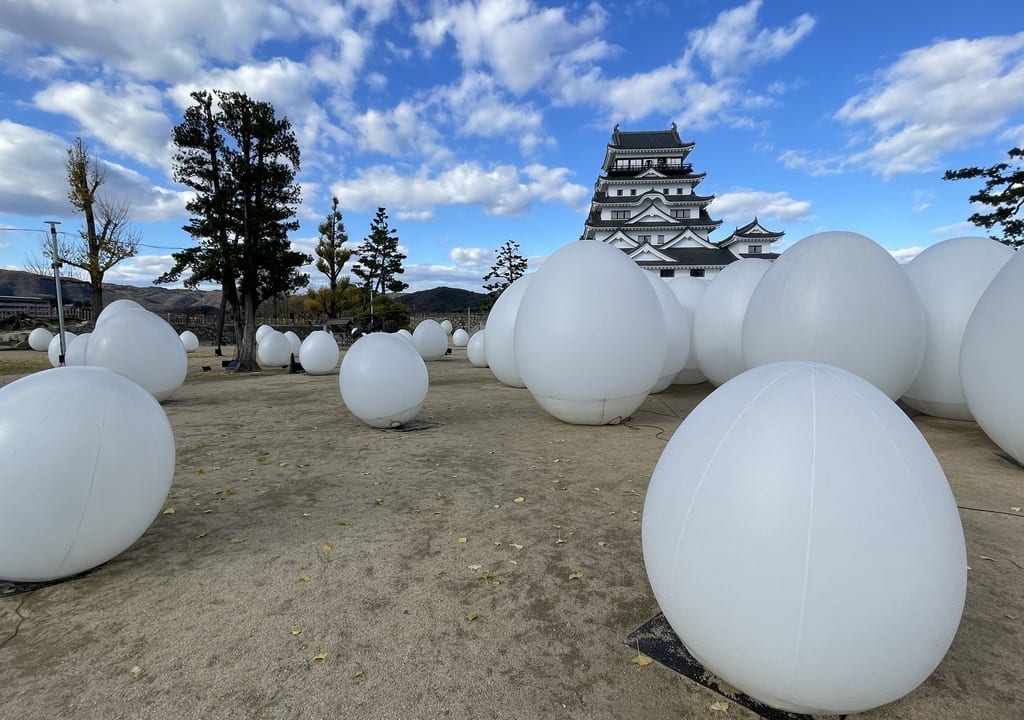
<point>442,299</point>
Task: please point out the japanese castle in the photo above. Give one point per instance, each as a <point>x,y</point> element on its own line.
<point>644,203</point>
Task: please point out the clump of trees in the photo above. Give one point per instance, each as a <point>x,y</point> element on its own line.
<point>241,159</point>
<point>380,264</point>
<point>1003,191</point>
<point>509,267</point>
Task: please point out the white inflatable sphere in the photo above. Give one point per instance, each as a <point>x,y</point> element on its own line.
<point>39,339</point>
<point>989,371</point>
<point>447,325</point>
<point>142,346</point>
<point>77,349</point>
<point>430,340</point>
<point>476,349</point>
<point>112,309</point>
<point>589,356</point>
<point>189,340</point>
<point>262,331</point>
<point>718,319</point>
<point>294,343</point>
<point>949,278</point>
<point>460,338</point>
<point>405,335</point>
<point>53,349</point>
<point>823,575</point>
<point>274,350</point>
<point>383,380</point>
<point>838,298</point>
<point>501,327</point>
<point>688,291</point>
<point>68,506</point>
<point>677,333</point>
<point>319,353</point>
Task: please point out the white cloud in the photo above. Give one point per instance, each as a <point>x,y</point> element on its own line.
<point>816,166</point>
<point>499,190</point>
<point>403,130</point>
<point>958,229</point>
<point>734,43</point>
<point>905,255</point>
<point>740,207</point>
<point>476,107</point>
<point>938,97</point>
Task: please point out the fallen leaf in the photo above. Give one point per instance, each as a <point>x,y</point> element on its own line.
<point>303,578</point>
<point>326,548</point>
<point>473,567</point>
<point>986,557</point>
<point>207,511</point>
<point>236,541</point>
<point>495,583</point>
<point>306,515</point>
<point>517,546</point>
<point>463,540</point>
<point>296,630</point>
<point>136,671</point>
<point>559,541</point>
<point>229,491</point>
<point>1015,508</point>
<point>169,511</point>
<point>519,499</point>
<point>345,522</point>
<point>379,501</point>
<point>282,464</point>
<point>200,471</point>
<point>319,657</point>
<point>298,523</point>
<point>357,674</point>
<point>601,543</point>
<point>642,660</point>
<point>576,576</point>
<point>471,616</point>
<point>720,706</point>
<point>200,535</point>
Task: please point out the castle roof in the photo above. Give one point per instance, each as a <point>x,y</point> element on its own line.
<point>647,139</point>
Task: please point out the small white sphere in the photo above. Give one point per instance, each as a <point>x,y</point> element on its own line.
<point>39,339</point>
<point>383,380</point>
<point>501,327</point>
<point>989,372</point>
<point>718,319</point>
<point>405,335</point>
<point>87,458</point>
<point>688,291</point>
<point>262,331</point>
<point>838,298</point>
<point>274,350</point>
<point>447,325</point>
<point>294,343</point>
<point>53,349</point>
<point>189,340</point>
<point>476,349</point>
<point>460,338</point>
<point>430,340</point>
<point>949,277</point>
<point>783,566</point>
<point>677,333</point>
<point>589,356</point>
<point>112,309</point>
<point>77,349</point>
<point>141,345</point>
<point>319,353</point>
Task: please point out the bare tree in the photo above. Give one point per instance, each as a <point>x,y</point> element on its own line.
<point>107,236</point>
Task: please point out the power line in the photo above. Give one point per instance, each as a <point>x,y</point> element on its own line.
<point>63,232</point>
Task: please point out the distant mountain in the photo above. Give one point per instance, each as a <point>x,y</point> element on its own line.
<point>77,292</point>
<point>442,299</point>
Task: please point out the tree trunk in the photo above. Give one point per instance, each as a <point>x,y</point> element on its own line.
<point>220,317</point>
<point>246,348</point>
<point>96,287</point>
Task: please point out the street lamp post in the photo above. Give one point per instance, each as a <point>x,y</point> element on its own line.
<point>56,265</point>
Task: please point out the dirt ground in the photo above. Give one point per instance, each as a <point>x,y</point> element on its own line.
<point>485,565</point>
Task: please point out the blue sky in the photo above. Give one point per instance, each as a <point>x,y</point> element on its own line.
<point>478,122</point>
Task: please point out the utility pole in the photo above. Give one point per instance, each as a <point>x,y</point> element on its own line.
<point>56,265</point>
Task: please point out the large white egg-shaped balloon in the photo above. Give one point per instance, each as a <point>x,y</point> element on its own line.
<point>832,555</point>
<point>319,353</point>
<point>989,371</point>
<point>677,333</point>
<point>68,506</point>
<point>262,331</point>
<point>77,349</point>
<point>949,278</point>
<point>460,338</point>
<point>189,340</point>
<point>293,342</point>
<point>274,350</point>
<point>838,298</point>
<point>430,340</point>
<point>589,356</point>
<point>53,349</point>
<point>405,335</point>
<point>383,380</point>
<point>501,327</point>
<point>688,291</point>
<point>141,345</point>
<point>113,308</point>
<point>476,349</point>
<point>718,319</point>
<point>39,339</point>
<point>447,325</point>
